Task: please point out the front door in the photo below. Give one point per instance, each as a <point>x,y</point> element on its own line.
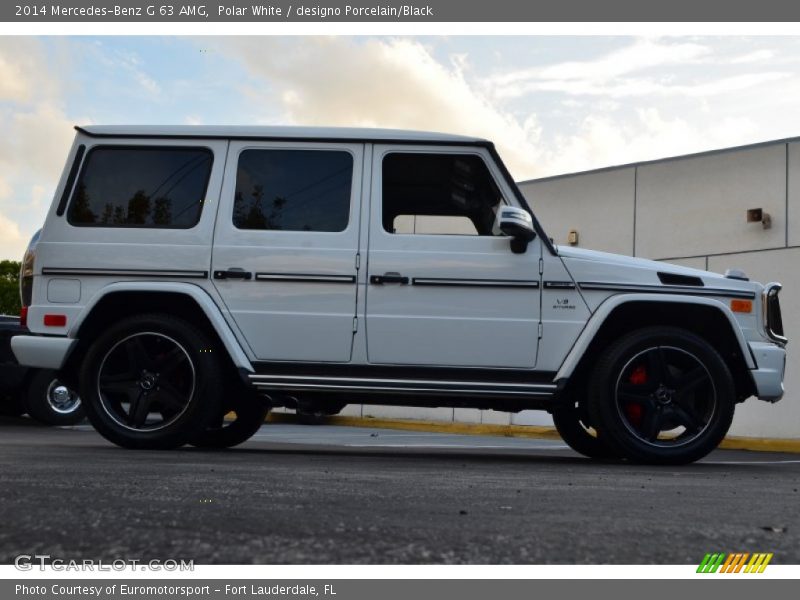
<point>285,244</point>
<point>444,288</point>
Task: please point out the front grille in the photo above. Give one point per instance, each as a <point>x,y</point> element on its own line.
<point>773,322</point>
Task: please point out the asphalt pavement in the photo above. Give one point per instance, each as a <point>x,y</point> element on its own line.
<point>325,494</point>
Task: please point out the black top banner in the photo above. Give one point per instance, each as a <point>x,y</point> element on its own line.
<point>143,11</point>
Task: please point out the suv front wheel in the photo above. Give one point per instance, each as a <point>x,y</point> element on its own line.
<point>151,381</point>
<point>662,395</point>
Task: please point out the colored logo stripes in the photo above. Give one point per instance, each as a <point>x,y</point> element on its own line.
<point>735,563</point>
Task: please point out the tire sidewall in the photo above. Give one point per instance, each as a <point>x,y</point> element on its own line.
<point>567,420</point>
<point>204,402</point>
<point>605,412</point>
<point>251,413</point>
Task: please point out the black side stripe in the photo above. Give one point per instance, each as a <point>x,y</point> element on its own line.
<point>306,277</point>
<point>664,289</point>
<point>493,283</point>
<point>125,273</point>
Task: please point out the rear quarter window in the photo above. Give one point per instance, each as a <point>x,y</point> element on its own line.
<point>141,186</point>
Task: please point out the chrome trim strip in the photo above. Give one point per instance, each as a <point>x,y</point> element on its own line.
<point>559,285</point>
<point>401,390</point>
<point>402,386</point>
<point>427,382</point>
<point>664,289</point>
<point>305,277</point>
<point>125,272</point>
<point>494,283</point>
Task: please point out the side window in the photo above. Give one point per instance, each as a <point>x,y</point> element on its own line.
<point>293,190</point>
<point>141,186</point>
<point>442,194</point>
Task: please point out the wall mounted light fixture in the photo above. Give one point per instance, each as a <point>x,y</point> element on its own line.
<point>757,215</point>
<point>572,237</point>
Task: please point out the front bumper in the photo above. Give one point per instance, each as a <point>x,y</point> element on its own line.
<point>41,352</point>
<point>768,376</point>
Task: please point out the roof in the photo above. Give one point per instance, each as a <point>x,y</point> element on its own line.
<point>263,132</point>
<point>644,163</point>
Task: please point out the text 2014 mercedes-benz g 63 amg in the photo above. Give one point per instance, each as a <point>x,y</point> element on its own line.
<point>185,272</point>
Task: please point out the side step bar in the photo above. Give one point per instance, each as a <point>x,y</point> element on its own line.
<point>426,387</point>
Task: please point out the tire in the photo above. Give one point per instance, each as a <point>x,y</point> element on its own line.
<point>662,395</point>
<point>251,411</point>
<point>51,402</point>
<point>571,423</point>
<point>11,405</point>
<point>152,381</point>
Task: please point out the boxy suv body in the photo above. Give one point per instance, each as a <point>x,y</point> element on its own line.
<point>184,272</point>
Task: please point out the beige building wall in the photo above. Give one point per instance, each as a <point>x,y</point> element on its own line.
<point>582,202</point>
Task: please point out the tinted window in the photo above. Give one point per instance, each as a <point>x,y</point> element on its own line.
<point>437,193</point>
<point>141,187</point>
<point>293,190</point>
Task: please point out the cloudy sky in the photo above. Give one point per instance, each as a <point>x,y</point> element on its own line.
<point>551,104</point>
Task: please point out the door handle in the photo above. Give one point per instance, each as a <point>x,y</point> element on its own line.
<point>233,273</point>
<point>389,278</point>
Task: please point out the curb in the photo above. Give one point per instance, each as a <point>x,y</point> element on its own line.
<point>524,431</point>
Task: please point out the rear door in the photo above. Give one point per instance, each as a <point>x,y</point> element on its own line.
<point>444,287</point>
<point>285,245</point>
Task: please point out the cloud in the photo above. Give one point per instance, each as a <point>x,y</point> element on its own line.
<point>36,136</point>
<point>752,57</point>
<point>37,140</point>
<point>400,83</point>
<point>12,242</point>
<point>378,83</point>
<point>637,70</point>
<point>5,189</point>
<point>603,141</point>
<point>599,75</point>
<point>21,75</point>
<point>641,54</point>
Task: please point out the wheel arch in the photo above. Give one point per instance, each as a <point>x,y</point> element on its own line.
<point>119,300</point>
<point>620,314</point>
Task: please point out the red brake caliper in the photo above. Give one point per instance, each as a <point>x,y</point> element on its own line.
<point>633,410</point>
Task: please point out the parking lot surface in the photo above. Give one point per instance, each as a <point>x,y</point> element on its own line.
<point>323,494</point>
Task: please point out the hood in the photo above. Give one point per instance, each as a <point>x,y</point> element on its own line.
<point>587,266</point>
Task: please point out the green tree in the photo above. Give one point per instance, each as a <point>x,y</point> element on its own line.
<point>81,211</point>
<point>162,212</point>
<point>139,208</point>
<point>9,287</point>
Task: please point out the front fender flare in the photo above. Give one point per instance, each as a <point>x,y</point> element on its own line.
<point>599,317</point>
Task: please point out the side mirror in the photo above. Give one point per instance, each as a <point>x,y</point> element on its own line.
<point>518,225</point>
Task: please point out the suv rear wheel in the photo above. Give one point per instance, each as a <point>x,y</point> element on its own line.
<point>571,422</point>
<point>662,395</point>
<point>250,412</point>
<point>151,381</point>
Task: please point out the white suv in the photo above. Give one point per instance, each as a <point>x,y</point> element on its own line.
<point>185,272</point>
